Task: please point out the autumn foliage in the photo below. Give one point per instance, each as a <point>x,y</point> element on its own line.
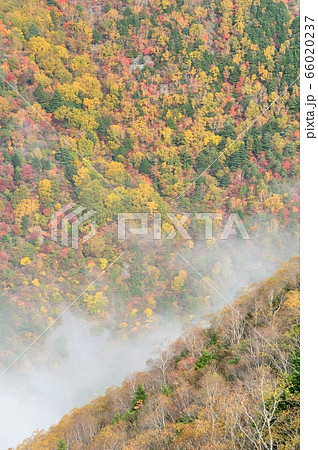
<point>232,385</point>
<point>118,107</point>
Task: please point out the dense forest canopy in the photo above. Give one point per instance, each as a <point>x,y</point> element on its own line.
<point>143,96</point>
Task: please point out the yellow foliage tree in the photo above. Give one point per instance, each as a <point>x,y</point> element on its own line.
<point>25,261</point>
<point>82,176</point>
<point>115,172</point>
<point>103,263</point>
<point>27,207</point>
<point>39,46</point>
<point>45,191</point>
<point>179,280</point>
<point>274,203</point>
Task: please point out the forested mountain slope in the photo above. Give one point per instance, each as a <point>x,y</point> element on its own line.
<point>233,385</point>
<point>144,96</point>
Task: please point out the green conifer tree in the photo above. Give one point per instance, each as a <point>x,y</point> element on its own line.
<point>55,101</point>
<point>97,37</point>
<point>40,94</point>
<point>61,445</point>
<point>140,397</point>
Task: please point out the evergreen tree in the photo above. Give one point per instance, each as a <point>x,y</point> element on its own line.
<point>24,225</point>
<point>189,110</point>
<point>171,123</point>
<point>16,160</point>
<point>175,42</point>
<point>97,37</point>
<point>238,158</point>
<point>80,8</point>
<point>40,94</point>
<point>33,31</point>
<point>225,180</point>
<point>140,397</point>
<point>135,282</point>
<point>203,361</point>
<point>229,131</point>
<point>107,7</point>
<point>53,16</point>
<point>55,101</point>
<point>62,445</point>
<point>104,123</point>
<point>37,163</point>
<point>145,166</point>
